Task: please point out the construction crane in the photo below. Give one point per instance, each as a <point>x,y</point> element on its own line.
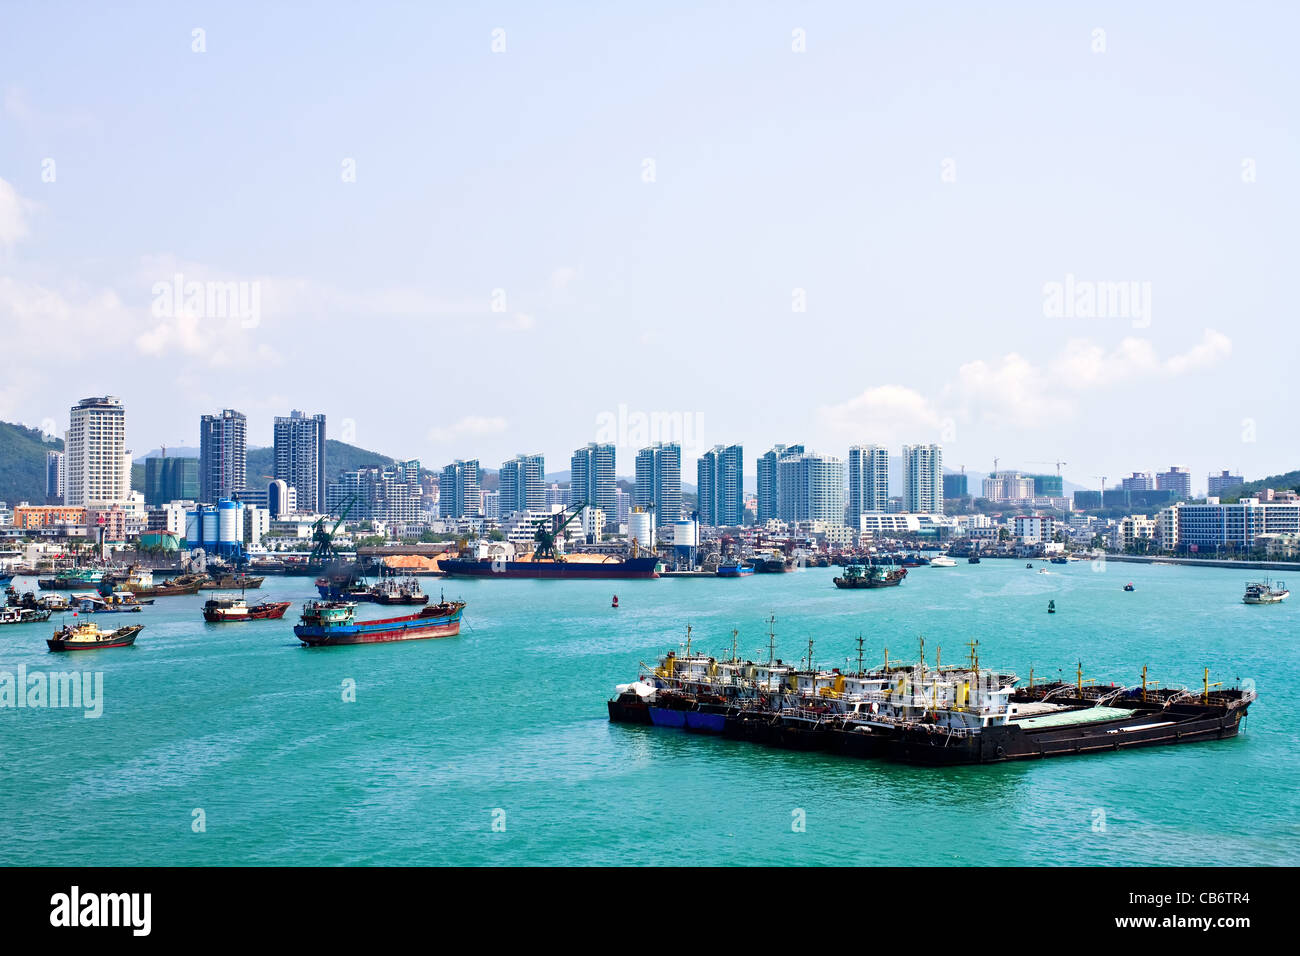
<point>1101,502</point>
<point>322,550</point>
<point>545,537</point>
<point>1058,464</point>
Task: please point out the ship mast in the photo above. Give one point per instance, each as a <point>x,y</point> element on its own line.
<point>771,640</point>
<point>860,670</point>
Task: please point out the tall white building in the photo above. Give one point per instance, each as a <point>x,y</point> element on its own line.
<point>923,479</point>
<point>300,457</point>
<point>811,488</point>
<point>868,480</point>
<point>97,467</point>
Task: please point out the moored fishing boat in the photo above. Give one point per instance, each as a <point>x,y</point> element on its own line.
<point>23,615</point>
<point>222,609</point>
<point>117,602</point>
<point>71,579</point>
<point>230,582</point>
<point>326,623</point>
<point>734,568</point>
<point>88,636</point>
<point>141,585</point>
<point>870,576</point>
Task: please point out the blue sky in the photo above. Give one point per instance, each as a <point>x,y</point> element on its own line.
<point>920,172</point>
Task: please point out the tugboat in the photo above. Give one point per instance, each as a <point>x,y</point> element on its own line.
<point>870,576</point>
<point>328,623</point>
<point>1263,592</point>
<point>88,636</point>
<point>218,610</point>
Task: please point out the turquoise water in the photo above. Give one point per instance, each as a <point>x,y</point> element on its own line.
<point>507,722</point>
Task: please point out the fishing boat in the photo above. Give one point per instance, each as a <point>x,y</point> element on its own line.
<point>88,636</point>
<point>973,559</point>
<point>1059,559</point>
<point>181,584</point>
<point>117,602</point>
<point>221,609</point>
<point>942,561</point>
<point>230,582</point>
<point>392,590</point>
<point>870,576</point>
<point>23,615</point>
<point>1129,586</point>
<point>72,579</point>
<point>328,623</point>
<point>734,568</point>
<point>1265,592</point>
<point>6,577</point>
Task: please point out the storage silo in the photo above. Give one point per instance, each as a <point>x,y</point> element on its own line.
<point>686,542</point>
<point>641,529</point>
<point>230,526</point>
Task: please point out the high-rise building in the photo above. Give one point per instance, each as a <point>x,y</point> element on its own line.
<point>721,486</point>
<point>391,494</point>
<point>170,479</point>
<point>591,478</point>
<point>1218,483</point>
<point>923,479</point>
<point>1138,481</point>
<point>769,481</point>
<point>55,477</point>
<point>1045,486</point>
<point>97,467</point>
<point>1008,486</point>
<point>1177,479</point>
<point>458,495</point>
<point>659,482</point>
<point>522,484</point>
<point>954,486</point>
<point>223,456</point>
<point>868,481</point>
<point>811,488</point>
<point>300,457</point>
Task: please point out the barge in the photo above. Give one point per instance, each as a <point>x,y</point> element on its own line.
<point>329,623</point>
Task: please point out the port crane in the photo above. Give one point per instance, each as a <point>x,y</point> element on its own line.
<point>1058,464</point>
<point>545,537</point>
<point>322,550</point>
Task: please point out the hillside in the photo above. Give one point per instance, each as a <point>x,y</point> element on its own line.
<point>22,463</point>
<point>339,457</point>
<point>1290,481</point>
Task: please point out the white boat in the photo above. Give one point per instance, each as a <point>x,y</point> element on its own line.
<point>1264,592</point>
<point>942,561</point>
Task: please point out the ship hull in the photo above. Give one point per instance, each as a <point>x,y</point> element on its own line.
<point>122,637</point>
<point>259,612</point>
<point>416,627</point>
<point>552,570</point>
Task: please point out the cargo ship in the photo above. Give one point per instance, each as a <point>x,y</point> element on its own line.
<point>912,713</point>
<point>639,567</point>
<point>329,623</point>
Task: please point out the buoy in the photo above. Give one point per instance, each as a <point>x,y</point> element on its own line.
<point>614,603</point>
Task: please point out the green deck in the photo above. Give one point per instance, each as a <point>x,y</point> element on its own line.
<point>1089,715</point>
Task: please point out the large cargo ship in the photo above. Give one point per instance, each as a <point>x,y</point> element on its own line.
<point>640,567</point>
<point>328,623</point>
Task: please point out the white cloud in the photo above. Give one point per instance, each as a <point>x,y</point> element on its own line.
<point>13,214</point>
<point>519,322</point>
<point>472,425</point>
<point>884,413</point>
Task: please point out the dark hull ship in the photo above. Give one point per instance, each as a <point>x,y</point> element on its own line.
<point>870,576</point>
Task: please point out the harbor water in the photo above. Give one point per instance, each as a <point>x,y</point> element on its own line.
<point>225,744</point>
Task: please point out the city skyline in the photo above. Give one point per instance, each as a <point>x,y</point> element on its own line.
<point>939,218</point>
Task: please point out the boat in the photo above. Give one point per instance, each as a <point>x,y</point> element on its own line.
<point>733,568</point>
<point>1264,592</point>
<point>23,615</point>
<point>942,561</point>
<point>329,623</point>
<point>392,590</point>
<point>1044,571</point>
<point>6,578</point>
<point>1129,586</point>
<point>230,582</point>
<point>29,600</point>
<point>639,567</point>
<point>72,579</point>
<point>1030,565</point>
<point>917,714</point>
<point>117,602</point>
<point>181,584</point>
<point>771,562</point>
<point>973,559</point>
<point>218,610</point>
<point>913,560</point>
<point>614,603</point>
<point>870,576</point>
<point>1051,607</point>
<point>1059,559</point>
<point>88,636</point>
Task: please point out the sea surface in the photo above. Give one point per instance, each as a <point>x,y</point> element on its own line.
<point>232,744</point>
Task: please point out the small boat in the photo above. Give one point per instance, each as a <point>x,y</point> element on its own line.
<point>1030,565</point>
<point>1043,571</point>
<point>72,579</point>
<point>870,576</point>
<point>1051,607</point>
<point>942,561</point>
<point>230,582</point>
<point>392,590</point>
<point>973,559</point>
<point>1264,592</point>
<point>1129,586</point>
<point>23,615</point>
<point>6,577</point>
<point>219,610</point>
<point>1060,559</point>
<point>88,636</point>
<point>119,602</point>
<point>733,568</point>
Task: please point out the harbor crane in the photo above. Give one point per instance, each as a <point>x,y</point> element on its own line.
<point>545,537</point>
<point>322,549</point>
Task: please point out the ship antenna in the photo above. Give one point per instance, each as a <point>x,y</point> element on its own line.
<point>860,670</point>
<point>771,639</point>
<point>735,656</point>
<point>810,657</point>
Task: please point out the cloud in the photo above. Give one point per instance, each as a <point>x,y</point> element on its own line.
<point>1213,348</point>
<point>471,425</point>
<point>13,214</point>
<point>563,277</point>
<point>883,413</point>
<point>519,322</point>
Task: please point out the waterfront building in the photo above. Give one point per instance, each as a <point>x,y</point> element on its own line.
<point>170,479</point>
<point>923,478</point>
<point>721,486</point>
<point>97,466</point>
<point>1033,529</point>
<point>458,495</point>
<point>868,480</point>
<point>55,477</point>
<point>1211,525</point>
<point>1138,481</point>
<point>659,482</point>
<point>523,484</point>
<point>35,517</point>
<point>300,457</point>
<point>1222,481</point>
<point>769,477</point>
<point>1178,480</point>
<point>1132,528</point>
<point>591,477</point>
<point>391,494</point>
<point>811,488</point>
<point>223,455</point>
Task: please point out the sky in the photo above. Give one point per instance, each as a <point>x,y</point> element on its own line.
<point>520,227</point>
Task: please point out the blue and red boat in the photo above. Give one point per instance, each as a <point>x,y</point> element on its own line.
<point>327,623</point>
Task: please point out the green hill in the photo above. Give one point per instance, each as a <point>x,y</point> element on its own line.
<point>339,457</point>
<point>22,463</point>
<point>1287,482</point>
